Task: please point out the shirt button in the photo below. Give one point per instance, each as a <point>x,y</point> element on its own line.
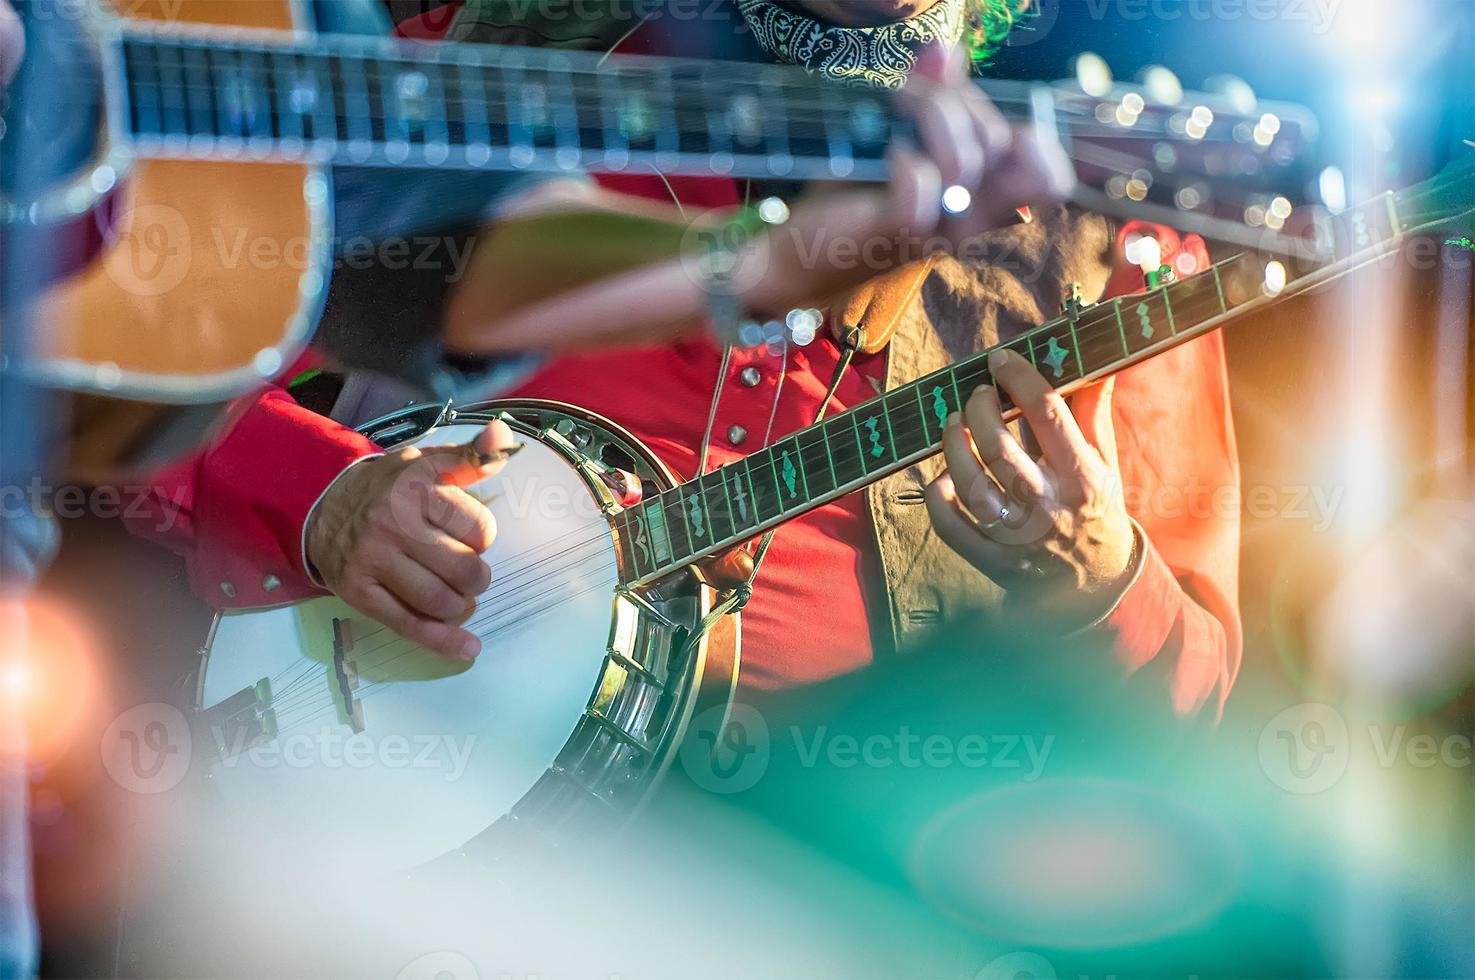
<point>750,377</point>
<point>271,583</point>
<point>737,435</point>
<point>228,589</point>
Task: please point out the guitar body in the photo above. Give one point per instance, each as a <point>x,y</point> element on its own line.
<point>343,740</point>
<point>208,281</point>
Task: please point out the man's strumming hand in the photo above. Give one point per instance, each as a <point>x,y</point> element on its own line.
<point>398,539</point>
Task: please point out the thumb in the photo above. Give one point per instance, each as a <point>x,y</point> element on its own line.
<point>463,464</point>
<point>1092,410</point>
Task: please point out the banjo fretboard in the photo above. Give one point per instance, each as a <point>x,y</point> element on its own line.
<point>817,464</point>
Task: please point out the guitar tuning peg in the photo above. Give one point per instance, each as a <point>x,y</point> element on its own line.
<point>1235,91</point>
<point>1161,85</point>
<point>1093,74</point>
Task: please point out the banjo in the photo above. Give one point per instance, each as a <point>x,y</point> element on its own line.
<point>596,660</point>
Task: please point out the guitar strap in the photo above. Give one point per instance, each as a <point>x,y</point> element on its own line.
<point>867,319</point>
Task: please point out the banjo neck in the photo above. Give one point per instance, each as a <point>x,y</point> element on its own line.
<point>846,452</point>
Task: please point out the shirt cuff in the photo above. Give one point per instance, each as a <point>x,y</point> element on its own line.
<point>1139,624</point>
<point>1137,563</point>
<point>307,565</point>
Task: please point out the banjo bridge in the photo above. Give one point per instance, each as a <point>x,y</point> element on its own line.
<point>241,721</point>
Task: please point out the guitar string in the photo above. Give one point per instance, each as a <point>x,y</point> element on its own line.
<point>547,598</point>
<point>907,431</point>
<point>511,614</point>
<point>504,581</point>
<point>823,100</point>
<point>506,574</point>
<point>329,706</point>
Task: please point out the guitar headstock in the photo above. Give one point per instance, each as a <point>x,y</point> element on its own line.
<point>1222,164</point>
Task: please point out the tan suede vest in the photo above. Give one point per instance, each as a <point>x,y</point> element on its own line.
<point>1010,281</point>
<point>1014,280</point>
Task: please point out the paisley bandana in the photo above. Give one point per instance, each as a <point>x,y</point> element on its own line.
<point>861,56</point>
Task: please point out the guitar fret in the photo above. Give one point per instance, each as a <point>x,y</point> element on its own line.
<point>634,541</point>
<point>1097,339</point>
<point>824,431</point>
<point>1075,344</point>
<point>1052,356</point>
<point>143,97</point>
<point>357,104</point>
<point>283,70</point>
<point>814,461</point>
<point>1168,306</point>
<point>660,538</point>
<point>1116,308</point>
<point>906,417</point>
<point>437,144</point>
<point>719,510</point>
<point>568,145</point>
<point>787,474</point>
<point>740,491</point>
<point>201,95</point>
<point>172,94</point>
<point>476,126</point>
<point>698,517</point>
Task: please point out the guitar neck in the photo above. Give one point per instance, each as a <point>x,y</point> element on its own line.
<point>847,452</point>
<point>374,102</point>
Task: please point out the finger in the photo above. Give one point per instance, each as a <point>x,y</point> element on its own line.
<point>915,192</point>
<point>458,565</point>
<point>957,529</point>
<point>949,137</point>
<point>989,125</point>
<point>965,471</point>
<point>462,516</point>
<point>421,590</point>
<point>468,463</point>
<point>1048,416</point>
<point>1031,172</point>
<point>449,641</point>
<point>1003,456</point>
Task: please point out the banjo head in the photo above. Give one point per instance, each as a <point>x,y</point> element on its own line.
<point>334,736</point>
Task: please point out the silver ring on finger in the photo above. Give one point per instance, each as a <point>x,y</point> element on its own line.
<point>1004,514</point>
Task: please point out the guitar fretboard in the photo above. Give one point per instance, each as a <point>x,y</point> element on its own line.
<point>824,461</point>
<point>372,102</point>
